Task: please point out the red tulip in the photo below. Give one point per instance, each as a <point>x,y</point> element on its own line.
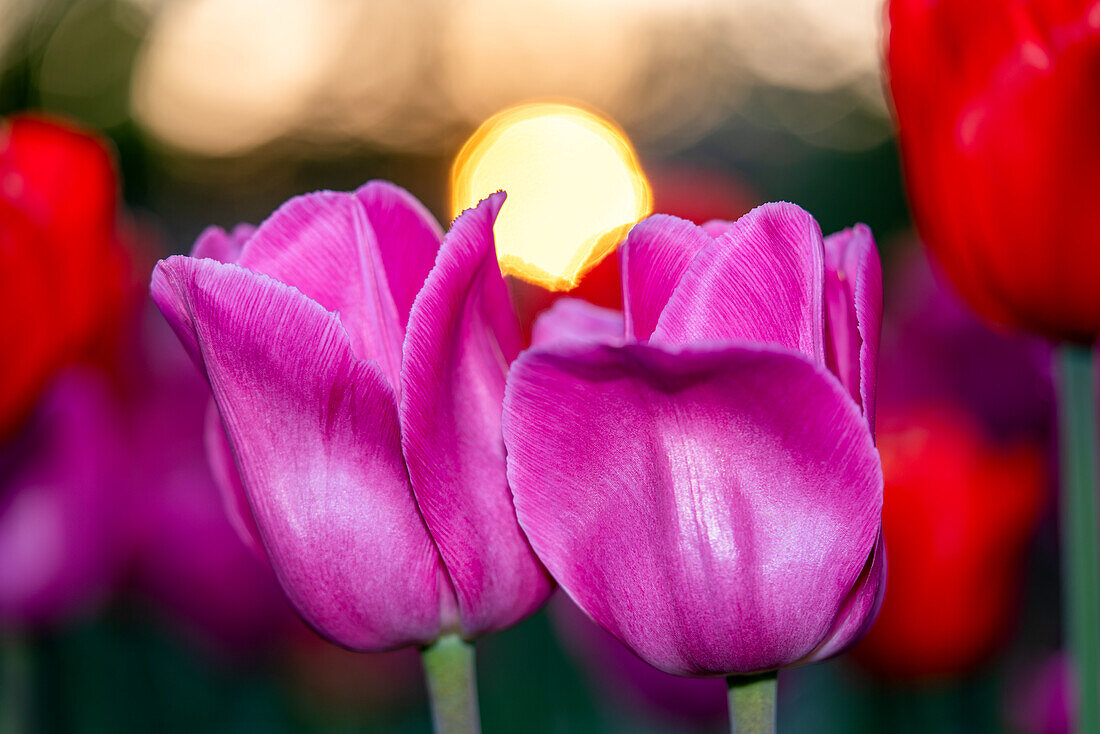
<point>998,108</point>
<point>959,511</point>
<point>60,263</point>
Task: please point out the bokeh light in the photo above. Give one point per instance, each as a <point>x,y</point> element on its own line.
<point>223,76</point>
<point>574,182</point>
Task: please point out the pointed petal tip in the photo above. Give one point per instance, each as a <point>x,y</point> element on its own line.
<point>490,205</point>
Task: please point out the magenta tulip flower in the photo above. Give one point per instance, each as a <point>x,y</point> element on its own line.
<point>358,366</point>
<point>700,474</point>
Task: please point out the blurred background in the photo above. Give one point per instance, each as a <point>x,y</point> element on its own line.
<point>127,602</point>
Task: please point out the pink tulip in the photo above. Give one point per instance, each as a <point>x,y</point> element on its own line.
<point>358,366</point>
<point>699,473</point>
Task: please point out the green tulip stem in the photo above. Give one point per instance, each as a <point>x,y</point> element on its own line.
<point>452,685</point>
<point>1080,559</point>
<point>15,685</point>
<point>752,703</point>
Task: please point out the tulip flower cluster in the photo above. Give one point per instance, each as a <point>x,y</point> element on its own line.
<point>411,462</point>
<point>698,473</point>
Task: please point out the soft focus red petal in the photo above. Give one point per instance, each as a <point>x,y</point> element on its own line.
<point>959,512</point>
<point>63,268</point>
<point>997,117</point>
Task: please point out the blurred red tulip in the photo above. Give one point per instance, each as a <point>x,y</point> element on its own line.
<point>959,512</point>
<point>997,108</point>
<point>61,268</point>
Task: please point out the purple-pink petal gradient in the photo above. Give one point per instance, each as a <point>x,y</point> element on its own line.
<point>217,244</point>
<point>186,557</point>
<point>409,237</point>
<point>219,456</point>
<point>713,497</point>
<point>670,529</point>
<point>335,260</point>
<point>358,368</point>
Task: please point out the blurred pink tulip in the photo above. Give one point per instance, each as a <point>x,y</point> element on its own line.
<point>59,492</point>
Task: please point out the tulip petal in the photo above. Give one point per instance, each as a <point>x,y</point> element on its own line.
<point>462,335</point>
<point>408,239</point>
<point>224,470</point>
<point>853,312</point>
<point>573,319</point>
<point>217,244</point>
<point>323,245</point>
<point>711,507</point>
<point>316,437</point>
<point>654,258</point>
<point>717,227</point>
<point>858,614</point>
<point>762,281</point>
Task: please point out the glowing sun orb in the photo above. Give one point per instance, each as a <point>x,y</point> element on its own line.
<point>574,185</point>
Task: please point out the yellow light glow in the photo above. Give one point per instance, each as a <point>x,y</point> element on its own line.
<point>574,188</point>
